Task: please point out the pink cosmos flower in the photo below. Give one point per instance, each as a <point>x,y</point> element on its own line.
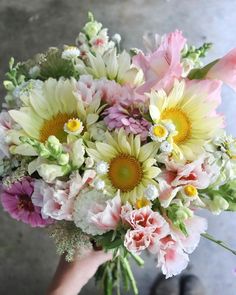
<point>225,69</point>
<point>171,257</point>
<point>127,117</point>
<point>107,218</point>
<point>17,201</point>
<point>162,66</point>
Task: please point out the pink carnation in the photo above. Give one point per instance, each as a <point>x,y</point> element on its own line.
<point>162,66</point>
<point>147,228</point>
<point>17,201</point>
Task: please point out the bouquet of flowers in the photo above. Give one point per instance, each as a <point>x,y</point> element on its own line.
<point>118,149</point>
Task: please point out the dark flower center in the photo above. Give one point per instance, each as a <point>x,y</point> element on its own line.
<point>25,203</point>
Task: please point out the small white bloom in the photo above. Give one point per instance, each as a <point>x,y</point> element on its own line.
<point>34,72</point>
<point>158,132</point>
<point>99,184</point>
<point>102,168</point>
<point>116,38</point>
<point>170,126</point>
<point>70,52</point>
<point>166,147</point>
<point>151,192</point>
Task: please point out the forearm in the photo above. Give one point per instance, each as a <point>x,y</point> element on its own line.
<point>70,277</point>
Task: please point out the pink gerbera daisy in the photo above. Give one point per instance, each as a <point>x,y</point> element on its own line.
<point>16,200</point>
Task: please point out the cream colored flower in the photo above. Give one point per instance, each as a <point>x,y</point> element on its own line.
<point>112,66</point>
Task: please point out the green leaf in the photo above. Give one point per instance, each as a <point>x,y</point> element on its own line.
<point>201,73</point>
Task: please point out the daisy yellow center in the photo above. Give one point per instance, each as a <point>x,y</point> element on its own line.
<point>125,172</point>
<point>55,126</point>
<point>190,190</point>
<point>181,122</point>
<point>159,131</point>
<point>73,125</point>
<point>142,203</point>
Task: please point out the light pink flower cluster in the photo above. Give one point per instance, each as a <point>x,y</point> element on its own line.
<point>57,200</point>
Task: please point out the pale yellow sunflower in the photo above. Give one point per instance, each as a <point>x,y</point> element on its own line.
<point>54,109</point>
<point>191,111</point>
<point>125,165</point>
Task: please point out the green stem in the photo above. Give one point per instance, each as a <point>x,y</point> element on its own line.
<point>130,275</point>
<point>137,259</point>
<point>219,242</point>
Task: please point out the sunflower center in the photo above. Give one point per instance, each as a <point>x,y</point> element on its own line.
<point>181,122</point>
<point>125,172</point>
<point>55,126</point>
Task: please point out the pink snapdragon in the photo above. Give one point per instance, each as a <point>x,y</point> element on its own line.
<point>17,201</point>
<point>161,67</point>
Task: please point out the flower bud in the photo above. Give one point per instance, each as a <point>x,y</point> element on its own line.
<point>8,85</point>
<point>63,159</point>
<point>92,28</point>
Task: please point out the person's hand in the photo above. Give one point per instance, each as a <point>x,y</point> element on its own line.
<point>70,277</point>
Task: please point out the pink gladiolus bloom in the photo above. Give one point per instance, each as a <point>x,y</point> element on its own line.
<point>162,66</point>
<point>108,217</point>
<point>171,257</point>
<point>17,201</point>
<point>178,175</point>
<point>225,69</point>
<point>195,226</point>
